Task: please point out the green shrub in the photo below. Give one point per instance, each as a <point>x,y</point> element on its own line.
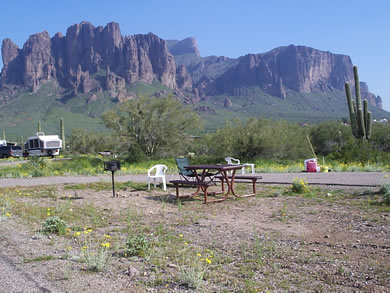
<point>136,246</point>
<point>53,225</point>
<point>385,190</point>
<point>299,186</point>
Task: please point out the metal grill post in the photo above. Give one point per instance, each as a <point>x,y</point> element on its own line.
<point>113,184</point>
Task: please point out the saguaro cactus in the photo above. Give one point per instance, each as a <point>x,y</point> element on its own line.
<point>62,132</point>
<point>361,118</point>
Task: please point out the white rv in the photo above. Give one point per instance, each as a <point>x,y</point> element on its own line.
<point>43,145</point>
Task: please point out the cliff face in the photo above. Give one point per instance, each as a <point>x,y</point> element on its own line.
<point>74,58</point>
<point>298,68</point>
<point>83,51</point>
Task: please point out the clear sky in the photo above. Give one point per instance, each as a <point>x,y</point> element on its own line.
<point>360,29</point>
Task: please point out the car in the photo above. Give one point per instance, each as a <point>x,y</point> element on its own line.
<point>7,151</point>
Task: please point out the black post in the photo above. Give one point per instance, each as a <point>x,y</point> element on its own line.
<point>113,184</point>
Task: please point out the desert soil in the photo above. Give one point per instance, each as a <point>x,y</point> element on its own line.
<point>337,240</point>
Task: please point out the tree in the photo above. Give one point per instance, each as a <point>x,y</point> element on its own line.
<point>156,126</point>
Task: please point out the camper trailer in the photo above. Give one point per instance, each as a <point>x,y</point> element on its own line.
<point>43,145</point>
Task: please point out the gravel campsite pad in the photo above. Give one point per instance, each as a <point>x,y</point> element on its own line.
<point>328,240</point>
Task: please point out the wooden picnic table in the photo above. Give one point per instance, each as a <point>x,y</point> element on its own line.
<point>202,173</point>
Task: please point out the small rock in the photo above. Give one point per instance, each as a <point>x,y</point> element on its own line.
<point>171,265</point>
<point>132,272</point>
<point>326,236</point>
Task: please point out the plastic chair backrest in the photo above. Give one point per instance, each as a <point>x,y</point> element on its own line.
<point>181,163</point>
<point>160,170</point>
<point>230,160</point>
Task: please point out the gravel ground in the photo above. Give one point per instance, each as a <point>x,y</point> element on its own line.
<point>13,278</point>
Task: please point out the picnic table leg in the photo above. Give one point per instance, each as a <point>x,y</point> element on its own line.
<point>231,187</point>
<point>177,191</point>
<point>222,184</point>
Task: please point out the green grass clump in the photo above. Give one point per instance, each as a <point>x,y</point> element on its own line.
<point>54,225</point>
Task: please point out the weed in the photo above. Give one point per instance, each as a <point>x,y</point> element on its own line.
<point>136,245</point>
<point>39,258</point>
<point>299,186</point>
<point>5,204</point>
<point>192,275</point>
<point>95,254</point>
<point>385,190</point>
<point>95,258</point>
<point>54,225</point>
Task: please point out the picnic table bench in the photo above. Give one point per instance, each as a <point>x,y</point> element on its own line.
<point>203,184</point>
<point>242,178</point>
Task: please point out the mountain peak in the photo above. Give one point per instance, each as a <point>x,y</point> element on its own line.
<point>183,47</point>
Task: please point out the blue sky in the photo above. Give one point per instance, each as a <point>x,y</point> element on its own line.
<point>360,29</point>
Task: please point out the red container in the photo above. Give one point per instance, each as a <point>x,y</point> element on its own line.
<point>311,166</point>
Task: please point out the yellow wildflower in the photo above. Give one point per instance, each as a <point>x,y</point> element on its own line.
<point>107,236</point>
<point>198,254</point>
<point>185,243</point>
<point>208,261</point>
<point>181,235</point>
<point>77,234</point>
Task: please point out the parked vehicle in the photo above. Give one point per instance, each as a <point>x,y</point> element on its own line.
<point>7,151</point>
<point>43,145</point>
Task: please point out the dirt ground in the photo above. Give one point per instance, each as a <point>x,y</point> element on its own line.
<point>336,240</point>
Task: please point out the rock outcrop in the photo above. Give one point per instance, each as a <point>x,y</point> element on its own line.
<point>297,68</point>
<point>186,46</point>
<point>86,50</point>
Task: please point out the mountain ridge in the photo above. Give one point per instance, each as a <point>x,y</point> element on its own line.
<point>98,65</point>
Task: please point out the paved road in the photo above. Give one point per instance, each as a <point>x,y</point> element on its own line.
<point>358,179</point>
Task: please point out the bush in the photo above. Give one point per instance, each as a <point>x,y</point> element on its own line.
<point>299,186</point>
<point>136,246</point>
<point>385,190</point>
<point>53,225</point>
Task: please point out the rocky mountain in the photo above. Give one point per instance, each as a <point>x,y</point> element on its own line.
<point>84,50</point>
<point>297,68</point>
<point>90,69</point>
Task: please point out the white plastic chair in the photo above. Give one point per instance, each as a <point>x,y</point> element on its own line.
<point>233,161</point>
<point>157,171</point>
